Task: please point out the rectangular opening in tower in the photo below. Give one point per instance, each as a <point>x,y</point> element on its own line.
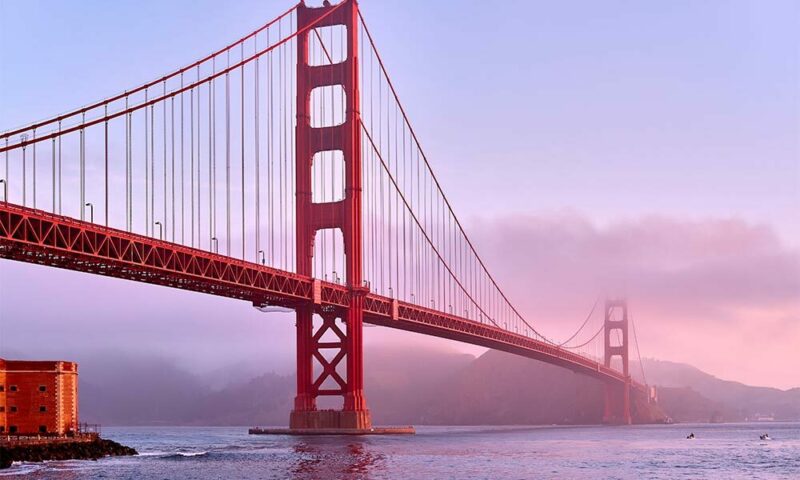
<point>328,106</point>
<point>615,337</point>
<point>329,258</point>
<point>327,176</point>
<point>327,45</point>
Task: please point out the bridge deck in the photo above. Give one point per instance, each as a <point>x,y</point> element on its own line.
<point>40,237</point>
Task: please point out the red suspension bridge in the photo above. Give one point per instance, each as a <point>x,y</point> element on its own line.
<point>282,170</point>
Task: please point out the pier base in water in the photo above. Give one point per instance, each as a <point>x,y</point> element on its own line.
<point>409,430</point>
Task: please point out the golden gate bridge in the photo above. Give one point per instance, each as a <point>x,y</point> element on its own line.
<point>283,170</point>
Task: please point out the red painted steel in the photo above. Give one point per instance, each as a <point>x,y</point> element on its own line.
<point>36,236</point>
<point>102,103</point>
<point>344,215</point>
<point>617,396</point>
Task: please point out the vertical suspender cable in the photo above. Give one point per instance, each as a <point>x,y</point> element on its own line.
<point>5,199</point>
<point>183,173</point>
<point>241,74</point>
<point>127,169</point>
<point>59,167</point>
<point>281,150</point>
<point>256,148</point>
<point>210,166</point>
<point>6,174</point>
<point>380,180</point>
<point>172,174</point>
<point>105,145</point>
<point>152,170</point>
<point>53,183</point>
<point>228,159</point>
<point>396,208</point>
<point>406,192</point>
<point>164,157</point>
<point>83,169</point>
<point>146,168</point>
<point>292,110</point>
<point>214,152</point>
<point>24,138</point>
<point>270,158</point>
<point>197,166</point>
<point>34,169</point>
<point>191,162</point>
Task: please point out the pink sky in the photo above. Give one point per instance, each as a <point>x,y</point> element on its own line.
<point>650,150</point>
<point>723,295</point>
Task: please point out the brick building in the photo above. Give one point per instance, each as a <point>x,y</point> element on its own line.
<point>38,397</point>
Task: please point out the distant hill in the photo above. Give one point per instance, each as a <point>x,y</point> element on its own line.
<point>710,397</point>
<point>426,387</point>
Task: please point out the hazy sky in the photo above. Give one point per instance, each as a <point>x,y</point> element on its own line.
<point>644,148</point>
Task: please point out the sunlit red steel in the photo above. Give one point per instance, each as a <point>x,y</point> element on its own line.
<point>35,236</point>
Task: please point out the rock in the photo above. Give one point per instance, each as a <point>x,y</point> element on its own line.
<point>58,450</point>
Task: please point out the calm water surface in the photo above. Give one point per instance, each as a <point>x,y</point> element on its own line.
<point>641,452</point>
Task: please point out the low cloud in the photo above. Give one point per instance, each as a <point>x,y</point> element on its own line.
<point>721,294</point>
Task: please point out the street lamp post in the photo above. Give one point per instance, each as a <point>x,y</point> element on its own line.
<point>91,211</point>
<point>216,244</point>
<point>263,260</point>
<point>160,231</point>
<point>5,189</point>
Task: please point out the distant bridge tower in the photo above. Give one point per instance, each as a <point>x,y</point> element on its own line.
<point>346,324</point>
<point>617,397</point>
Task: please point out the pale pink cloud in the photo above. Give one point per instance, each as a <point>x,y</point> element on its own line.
<point>721,294</point>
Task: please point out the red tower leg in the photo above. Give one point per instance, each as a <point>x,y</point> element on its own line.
<point>617,396</point>
<point>344,215</point>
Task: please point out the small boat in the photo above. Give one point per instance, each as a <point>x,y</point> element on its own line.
<point>764,436</point>
<point>690,436</point>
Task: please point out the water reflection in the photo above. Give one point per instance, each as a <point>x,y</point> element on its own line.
<point>332,457</point>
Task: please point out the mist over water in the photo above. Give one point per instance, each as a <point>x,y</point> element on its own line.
<point>652,452</point>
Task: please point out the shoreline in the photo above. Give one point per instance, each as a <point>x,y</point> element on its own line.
<point>44,449</point>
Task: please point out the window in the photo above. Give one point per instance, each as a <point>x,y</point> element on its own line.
<point>12,429</point>
<point>42,388</point>
<point>13,409</point>
<point>42,429</point>
<point>42,408</point>
<point>12,388</point>
<point>2,388</point>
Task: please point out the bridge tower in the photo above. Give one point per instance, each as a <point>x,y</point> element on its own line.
<point>617,397</point>
<point>344,215</point>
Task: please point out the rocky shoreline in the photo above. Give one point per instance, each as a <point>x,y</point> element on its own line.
<point>70,450</point>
